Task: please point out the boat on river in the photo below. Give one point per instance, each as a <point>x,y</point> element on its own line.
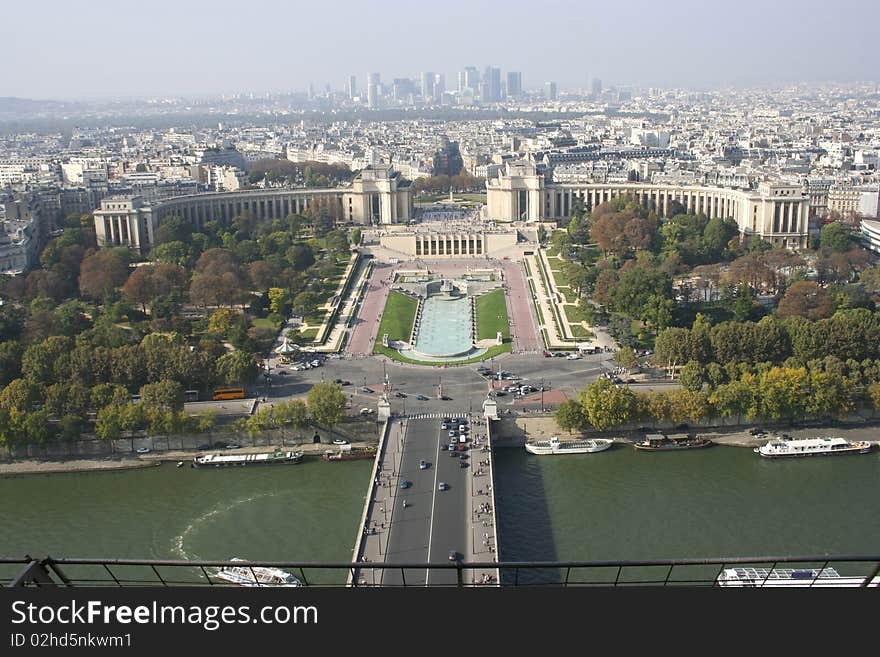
<point>348,455</point>
<point>256,576</point>
<point>658,442</point>
<point>261,458</point>
<point>826,446</point>
<point>556,446</point>
<point>803,577</point>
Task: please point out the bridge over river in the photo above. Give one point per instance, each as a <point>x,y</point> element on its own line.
<point>410,518</point>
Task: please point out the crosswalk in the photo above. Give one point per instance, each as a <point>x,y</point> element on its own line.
<point>438,416</point>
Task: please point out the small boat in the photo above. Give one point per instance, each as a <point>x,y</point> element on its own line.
<point>657,442</point>
<point>349,455</point>
<point>256,576</point>
<point>826,446</point>
<point>555,446</point>
<point>180,464</point>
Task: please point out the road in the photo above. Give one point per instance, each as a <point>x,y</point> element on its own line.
<point>434,522</point>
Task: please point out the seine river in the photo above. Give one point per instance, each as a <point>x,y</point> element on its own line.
<point>307,512</point>
<point>716,502</point>
<point>619,504</point>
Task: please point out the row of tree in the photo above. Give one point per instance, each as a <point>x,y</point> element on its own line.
<point>852,334</point>
<point>774,393</point>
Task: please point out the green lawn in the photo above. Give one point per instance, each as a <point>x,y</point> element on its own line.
<point>397,318</point>
<point>265,322</point>
<point>578,331</point>
<point>310,334</point>
<point>492,316</point>
<point>574,313</point>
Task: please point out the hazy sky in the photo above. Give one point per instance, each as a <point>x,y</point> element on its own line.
<point>109,48</point>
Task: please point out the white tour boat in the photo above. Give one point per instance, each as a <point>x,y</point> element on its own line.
<point>256,576</point>
<point>779,448</point>
<point>805,577</point>
<point>263,458</point>
<point>555,446</point>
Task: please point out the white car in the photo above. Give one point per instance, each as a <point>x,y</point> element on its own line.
<point>572,357</point>
<point>143,450</point>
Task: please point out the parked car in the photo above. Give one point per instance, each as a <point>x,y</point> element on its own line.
<point>143,450</point>
<point>366,411</point>
<point>572,357</point>
<point>233,446</point>
<point>340,441</point>
<point>204,446</point>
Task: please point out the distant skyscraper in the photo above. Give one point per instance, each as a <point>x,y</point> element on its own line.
<point>352,87</point>
<point>373,90</point>
<point>597,87</point>
<point>439,86</point>
<point>550,90</point>
<point>469,78</point>
<point>491,89</point>
<point>514,84</point>
<point>427,85</point>
<point>311,90</point>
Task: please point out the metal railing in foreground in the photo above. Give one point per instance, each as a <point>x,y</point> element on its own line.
<point>805,571</point>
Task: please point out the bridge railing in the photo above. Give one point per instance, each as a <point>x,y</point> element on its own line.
<point>812,571</point>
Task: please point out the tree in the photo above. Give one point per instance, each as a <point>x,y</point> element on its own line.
<point>835,237</point>
<point>326,403</point>
<point>570,416</point>
<point>101,273</point>
<point>356,237</point>
<point>173,229</point>
<point>692,376</point>
<point>164,394</point>
<point>627,358</point>
<point>108,424</point>
<point>300,257</point>
<point>806,299</point>
<point>221,320</point>
<point>172,253</point>
<point>606,405</point>
<point>337,242</point>
<point>735,399</point>
<point>294,413</point>
<point>542,234</point>
<point>784,393</point>
<point>238,367</point>
<point>279,301</point>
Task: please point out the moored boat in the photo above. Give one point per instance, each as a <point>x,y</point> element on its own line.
<point>256,576</point>
<point>555,446</point>
<point>351,455</point>
<point>658,442</point>
<point>260,458</point>
<point>824,446</point>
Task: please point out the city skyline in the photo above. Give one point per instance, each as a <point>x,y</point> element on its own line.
<point>682,46</point>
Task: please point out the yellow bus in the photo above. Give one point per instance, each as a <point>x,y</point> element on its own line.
<point>228,393</point>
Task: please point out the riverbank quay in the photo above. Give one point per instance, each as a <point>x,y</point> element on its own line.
<point>515,431</point>
<point>129,462</point>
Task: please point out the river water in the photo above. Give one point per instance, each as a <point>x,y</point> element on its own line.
<point>615,505</point>
<point>717,502</point>
<point>307,512</point>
